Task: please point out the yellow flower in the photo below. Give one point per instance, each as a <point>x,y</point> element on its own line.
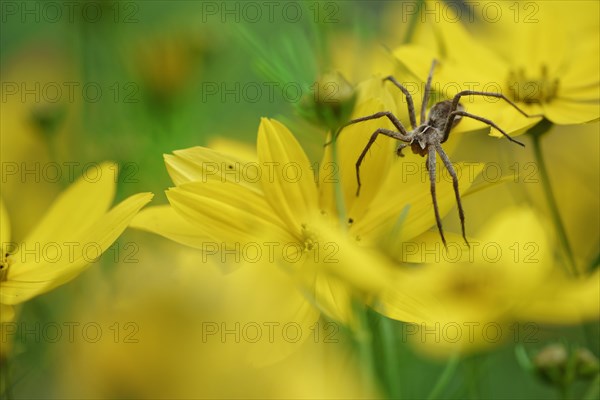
<point>470,299</point>
<point>167,63</point>
<point>74,232</point>
<point>574,170</point>
<point>227,201</point>
<point>203,336</point>
<point>543,65</point>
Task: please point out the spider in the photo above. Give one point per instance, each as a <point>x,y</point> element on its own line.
<point>426,139</point>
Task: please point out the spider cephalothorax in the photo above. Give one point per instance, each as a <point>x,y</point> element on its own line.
<point>432,131</point>
<point>426,139</point>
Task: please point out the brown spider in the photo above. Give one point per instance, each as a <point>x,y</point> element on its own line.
<point>427,138</point>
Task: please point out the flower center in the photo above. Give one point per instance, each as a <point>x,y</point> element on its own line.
<point>309,238</point>
<point>530,90</point>
<point>465,286</point>
<point>5,263</point>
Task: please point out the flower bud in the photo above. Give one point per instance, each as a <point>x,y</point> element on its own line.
<point>587,365</point>
<point>559,367</point>
<point>551,364</point>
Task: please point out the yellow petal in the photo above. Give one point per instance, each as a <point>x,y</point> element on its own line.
<point>457,45</point>
<point>287,177</point>
<point>427,248</point>
<point>334,298</point>
<point>200,164</point>
<point>452,72</point>
<point>361,269</point>
<point>276,302</point>
<point>7,314</point>
<point>58,262</point>
<point>500,112</point>
<point>375,165</point>
<point>568,112</point>
<point>386,93</point>
<point>450,77</point>
<point>404,300</point>
<point>560,300</point>
<point>241,150</point>
<point>583,72</point>
<point>586,93</point>
<point>543,41</point>
<point>166,222</point>
<point>407,187</point>
<point>227,212</point>
<point>525,243</point>
<point>79,207</point>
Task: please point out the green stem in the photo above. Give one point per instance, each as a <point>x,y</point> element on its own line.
<point>536,133</point>
<point>444,377</point>
<point>340,204</point>
<point>364,339</point>
<point>392,369</point>
<point>474,368</point>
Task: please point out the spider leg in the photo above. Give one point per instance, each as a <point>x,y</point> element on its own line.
<point>492,94</point>
<point>409,100</point>
<point>431,169</point>
<point>427,89</point>
<point>382,131</point>
<point>485,121</point>
<point>377,115</point>
<point>458,95</point>
<point>450,168</point>
<point>400,148</point>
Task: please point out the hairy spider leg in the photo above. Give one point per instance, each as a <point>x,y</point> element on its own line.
<point>400,148</point>
<point>450,168</point>
<point>431,169</point>
<point>456,99</point>
<point>377,115</point>
<point>427,89</point>
<point>409,100</point>
<point>489,122</point>
<point>382,131</point>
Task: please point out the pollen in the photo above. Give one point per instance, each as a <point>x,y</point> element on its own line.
<point>530,90</point>
<point>309,239</point>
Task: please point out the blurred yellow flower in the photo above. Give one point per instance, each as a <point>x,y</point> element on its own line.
<point>542,64</point>
<point>205,339</point>
<point>470,299</point>
<point>167,63</point>
<point>34,132</point>
<point>74,232</point>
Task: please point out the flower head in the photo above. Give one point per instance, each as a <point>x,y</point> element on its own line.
<point>283,200</point>
<point>508,276</point>
<point>542,65</point>
<point>76,230</point>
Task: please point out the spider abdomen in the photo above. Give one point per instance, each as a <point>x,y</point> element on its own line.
<point>439,114</point>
